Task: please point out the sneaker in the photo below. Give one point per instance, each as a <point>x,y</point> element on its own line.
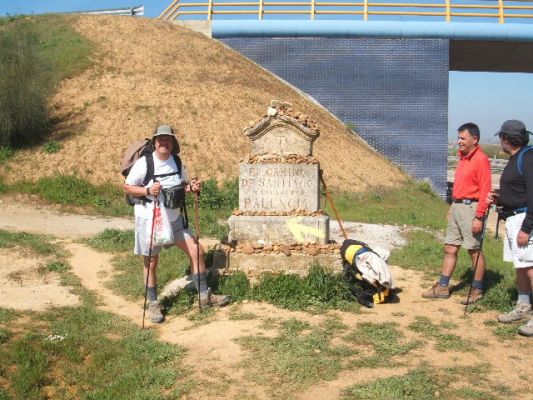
<point>521,311</point>
<point>154,310</point>
<point>213,300</point>
<point>437,292</point>
<point>475,295</point>
<point>527,329</point>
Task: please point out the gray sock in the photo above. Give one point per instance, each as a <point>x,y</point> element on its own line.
<point>477,285</point>
<point>152,293</point>
<point>200,282</point>
<point>444,280</point>
<point>523,297</point>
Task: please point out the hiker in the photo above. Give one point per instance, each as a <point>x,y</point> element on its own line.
<point>515,202</point>
<point>466,214</point>
<point>166,174</point>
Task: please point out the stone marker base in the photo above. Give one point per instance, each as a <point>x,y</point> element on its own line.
<point>256,264</point>
<point>279,229</point>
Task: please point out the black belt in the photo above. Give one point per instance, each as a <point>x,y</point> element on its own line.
<point>465,201</point>
<point>504,214</point>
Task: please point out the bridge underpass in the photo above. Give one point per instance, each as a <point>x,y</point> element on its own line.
<point>388,80</point>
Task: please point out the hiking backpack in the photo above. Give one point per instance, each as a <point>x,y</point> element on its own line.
<point>144,148</point>
<point>520,161</point>
<point>367,293</point>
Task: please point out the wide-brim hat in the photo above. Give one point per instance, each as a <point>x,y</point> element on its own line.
<point>513,127</point>
<point>166,130</point>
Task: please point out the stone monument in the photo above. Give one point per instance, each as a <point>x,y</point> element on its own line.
<point>279,183</point>
<point>279,226</point>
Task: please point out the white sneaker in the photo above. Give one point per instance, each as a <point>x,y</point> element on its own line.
<point>154,310</point>
<point>521,311</point>
<point>527,329</point>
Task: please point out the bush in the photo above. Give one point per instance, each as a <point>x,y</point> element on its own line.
<point>35,54</point>
<point>25,84</point>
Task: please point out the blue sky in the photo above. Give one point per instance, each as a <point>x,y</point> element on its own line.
<point>484,98</point>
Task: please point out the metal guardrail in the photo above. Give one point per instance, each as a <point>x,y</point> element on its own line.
<point>497,10</point>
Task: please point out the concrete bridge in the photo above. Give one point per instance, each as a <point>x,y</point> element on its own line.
<point>386,79</point>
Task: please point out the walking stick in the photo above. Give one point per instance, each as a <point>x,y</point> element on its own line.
<point>156,204</point>
<point>328,197</point>
<point>197,229</point>
<point>478,254</point>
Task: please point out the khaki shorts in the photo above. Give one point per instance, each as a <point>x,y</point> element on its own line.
<point>521,257</point>
<point>459,231</point>
<point>142,247</point>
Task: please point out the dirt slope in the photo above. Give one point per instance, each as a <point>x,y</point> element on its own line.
<point>148,71</point>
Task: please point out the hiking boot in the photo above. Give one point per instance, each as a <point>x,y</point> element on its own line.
<point>527,329</point>
<point>521,311</point>
<point>154,311</point>
<point>213,300</point>
<point>437,292</point>
<point>475,295</point>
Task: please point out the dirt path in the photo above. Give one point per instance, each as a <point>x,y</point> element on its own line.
<point>213,352</point>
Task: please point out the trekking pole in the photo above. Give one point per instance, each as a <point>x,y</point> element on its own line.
<point>197,229</point>
<point>156,204</point>
<point>328,197</point>
<point>477,258</point>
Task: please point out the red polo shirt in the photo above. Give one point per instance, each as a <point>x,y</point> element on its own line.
<point>473,179</point>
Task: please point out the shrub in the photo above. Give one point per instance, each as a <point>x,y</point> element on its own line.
<point>35,54</point>
<point>25,84</point>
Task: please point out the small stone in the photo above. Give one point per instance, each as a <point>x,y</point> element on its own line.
<point>312,250</point>
<point>285,250</point>
<point>248,248</point>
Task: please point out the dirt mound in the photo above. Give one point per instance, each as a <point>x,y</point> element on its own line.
<point>149,71</point>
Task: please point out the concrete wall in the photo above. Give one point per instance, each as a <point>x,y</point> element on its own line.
<point>394,91</point>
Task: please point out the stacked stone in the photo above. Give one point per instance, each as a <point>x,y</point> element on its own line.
<point>269,158</point>
<point>311,249</point>
<point>296,212</point>
<point>286,110</point>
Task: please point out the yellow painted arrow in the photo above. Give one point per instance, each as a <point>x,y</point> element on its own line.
<point>298,229</point>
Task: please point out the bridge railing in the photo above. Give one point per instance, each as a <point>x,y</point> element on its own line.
<point>446,10</point>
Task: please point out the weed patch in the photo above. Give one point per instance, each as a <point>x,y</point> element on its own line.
<point>427,383</point>
<point>113,240</point>
<point>444,341</point>
<point>424,253</point>
<point>35,54</point>
<point>503,331</point>
<point>393,206</point>
<point>95,355</point>
<point>384,338</point>
<point>39,244</point>
<point>298,356</point>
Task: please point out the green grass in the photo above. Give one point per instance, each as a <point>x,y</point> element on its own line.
<point>385,339</point>
<point>444,341</point>
<point>38,244</point>
<point>427,383</point>
<point>413,204</point>
<point>112,240</point>
<point>36,53</point>
<point>424,252</point>
<point>504,331</point>
<point>300,355</point>
<point>78,352</point>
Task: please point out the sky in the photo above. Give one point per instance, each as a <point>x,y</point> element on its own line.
<point>486,98</point>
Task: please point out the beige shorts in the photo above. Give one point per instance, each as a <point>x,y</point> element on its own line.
<point>459,231</point>
<point>521,257</point>
<point>142,226</point>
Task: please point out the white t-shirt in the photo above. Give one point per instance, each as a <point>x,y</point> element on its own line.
<point>136,177</point>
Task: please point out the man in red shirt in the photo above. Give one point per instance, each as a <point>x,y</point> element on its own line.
<point>466,214</point>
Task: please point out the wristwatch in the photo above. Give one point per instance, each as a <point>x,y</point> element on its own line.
<point>148,191</point>
<point>478,218</point>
